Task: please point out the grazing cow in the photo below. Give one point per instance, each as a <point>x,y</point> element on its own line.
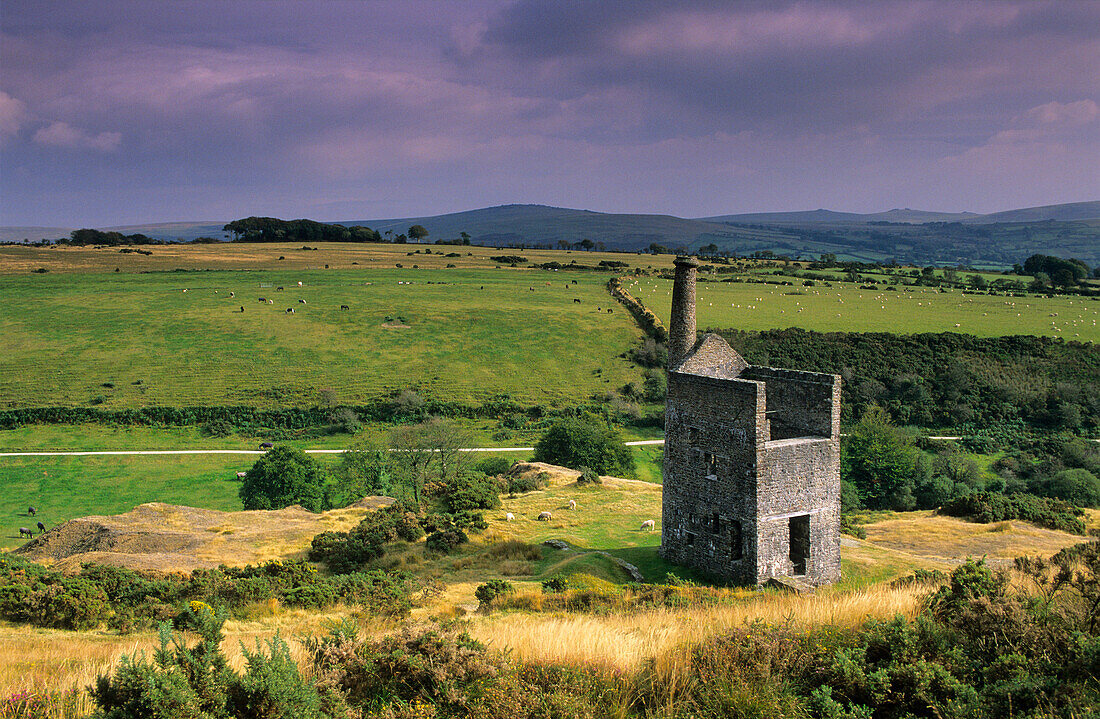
<point>572,504</point>
<point>232,294</point>
<point>241,475</point>
<point>278,289</point>
<point>290,310</point>
<point>23,531</point>
<point>577,300</point>
<point>509,517</point>
<point>301,302</point>
<point>242,309</point>
<point>263,299</point>
<point>266,445</point>
<point>544,517</point>
<point>344,307</point>
<point>41,528</point>
<point>609,310</point>
<point>31,511</point>
<point>648,525</point>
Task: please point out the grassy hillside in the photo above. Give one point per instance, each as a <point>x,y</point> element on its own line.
<point>164,338</point>
<point>846,308</point>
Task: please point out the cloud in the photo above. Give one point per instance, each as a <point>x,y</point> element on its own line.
<point>12,115</point>
<point>62,134</point>
<point>1067,114</point>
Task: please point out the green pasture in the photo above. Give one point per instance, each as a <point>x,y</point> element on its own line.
<point>176,339</point>
<point>846,308</point>
<point>64,488</point>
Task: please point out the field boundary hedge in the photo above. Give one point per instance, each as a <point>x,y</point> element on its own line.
<point>649,322</point>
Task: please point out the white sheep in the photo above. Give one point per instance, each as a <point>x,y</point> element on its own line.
<point>649,524</point>
<point>544,517</point>
<point>509,517</point>
<point>572,504</point>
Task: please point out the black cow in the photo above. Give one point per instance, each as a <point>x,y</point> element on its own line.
<point>278,289</point>
<point>31,511</point>
<point>301,302</point>
<point>24,532</point>
<point>266,445</point>
<point>290,310</point>
<point>344,307</point>
<point>576,300</point>
<point>41,527</point>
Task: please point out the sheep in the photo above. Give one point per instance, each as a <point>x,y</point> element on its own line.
<point>509,517</point>
<point>41,528</point>
<point>241,475</point>
<point>31,511</point>
<point>649,524</point>
<point>290,310</point>
<point>266,445</point>
<point>23,531</point>
<point>301,302</point>
<point>232,294</point>
<point>572,504</point>
<point>544,517</point>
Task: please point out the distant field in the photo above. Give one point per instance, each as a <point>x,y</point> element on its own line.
<point>846,308</point>
<point>127,340</point>
<point>18,260</point>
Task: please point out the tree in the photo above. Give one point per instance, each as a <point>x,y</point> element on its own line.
<point>418,232</point>
<point>364,471</point>
<point>427,452</point>
<point>577,443</point>
<point>282,477</point>
<point>880,461</point>
<point>465,237</point>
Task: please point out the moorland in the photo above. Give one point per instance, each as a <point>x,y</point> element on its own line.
<point>145,350</point>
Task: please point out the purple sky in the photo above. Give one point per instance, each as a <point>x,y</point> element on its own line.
<point>116,112</point>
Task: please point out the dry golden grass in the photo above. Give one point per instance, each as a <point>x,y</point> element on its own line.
<point>622,642</point>
<point>169,538</point>
<point>950,540</point>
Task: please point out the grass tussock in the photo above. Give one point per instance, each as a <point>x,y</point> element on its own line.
<point>621,642</point>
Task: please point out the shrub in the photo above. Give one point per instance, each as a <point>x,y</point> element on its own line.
<point>446,541</point>
<point>528,483</point>
<point>987,507</point>
<point>471,491</point>
<point>486,593</point>
<point>588,477</point>
<point>493,466</point>
<point>281,477</point>
<point>579,443</point>
<point>1076,486</point>
<point>344,552</point>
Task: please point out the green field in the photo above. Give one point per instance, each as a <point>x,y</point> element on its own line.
<point>846,308</point>
<point>177,339</point>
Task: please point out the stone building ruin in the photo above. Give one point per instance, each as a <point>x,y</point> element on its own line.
<point>752,460</point>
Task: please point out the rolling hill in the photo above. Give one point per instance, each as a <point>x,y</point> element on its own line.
<point>913,236</point>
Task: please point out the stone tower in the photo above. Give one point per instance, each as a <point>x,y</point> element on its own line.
<point>752,460</point>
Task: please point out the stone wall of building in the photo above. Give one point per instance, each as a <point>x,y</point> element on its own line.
<point>712,451</point>
<point>799,478</point>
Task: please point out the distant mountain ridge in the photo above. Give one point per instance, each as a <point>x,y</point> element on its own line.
<point>906,235</point>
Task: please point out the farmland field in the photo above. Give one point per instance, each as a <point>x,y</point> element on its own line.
<point>177,339</point>
<point>846,308</point>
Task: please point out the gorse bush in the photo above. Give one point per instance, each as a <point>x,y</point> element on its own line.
<point>127,600</point>
<point>345,552</point>
<point>196,681</point>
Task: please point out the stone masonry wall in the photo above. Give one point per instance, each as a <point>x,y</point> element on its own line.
<point>712,450</point>
<point>799,477</point>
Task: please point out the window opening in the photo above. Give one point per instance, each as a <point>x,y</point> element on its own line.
<point>800,542</point>
<point>736,552</point>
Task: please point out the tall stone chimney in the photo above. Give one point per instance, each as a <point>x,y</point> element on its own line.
<point>681,333</point>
